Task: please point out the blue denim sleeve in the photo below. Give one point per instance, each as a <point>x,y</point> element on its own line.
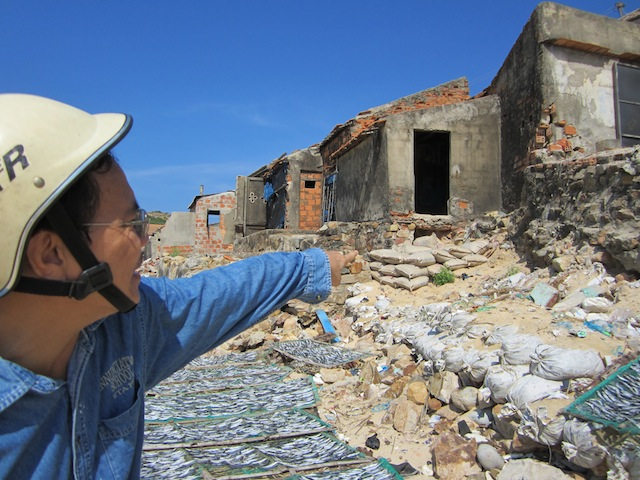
<point>184,318</point>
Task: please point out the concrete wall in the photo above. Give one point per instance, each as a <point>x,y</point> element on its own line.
<point>376,178</point>
<point>474,128</point>
<point>564,57</point>
<point>176,237</point>
<point>362,183</point>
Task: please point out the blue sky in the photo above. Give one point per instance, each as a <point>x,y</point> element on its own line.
<point>218,89</point>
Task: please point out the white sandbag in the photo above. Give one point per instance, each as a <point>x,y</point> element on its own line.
<point>477,246</point>
<point>442,255</point>
<point>536,425</point>
<point>375,266</point>
<point>411,284</point>
<point>410,271</point>
<point>386,255</point>
<point>459,251</point>
<point>555,363</point>
<point>409,248</point>
<point>473,260</point>
<point>580,446</point>
<point>498,334</point>
<point>431,241</point>
<point>422,259</point>
<point>532,388</point>
<point>453,357</point>
<point>517,349</point>
<point>435,269</point>
<point>388,270</point>
<point>387,280</point>
<point>500,378</point>
<point>429,347</point>
<point>456,264</point>
<point>476,364</point>
<point>596,305</point>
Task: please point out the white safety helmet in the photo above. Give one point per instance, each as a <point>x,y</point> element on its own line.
<point>45,146</point>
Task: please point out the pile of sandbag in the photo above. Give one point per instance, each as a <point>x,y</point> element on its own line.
<point>517,385</point>
<point>410,266</point>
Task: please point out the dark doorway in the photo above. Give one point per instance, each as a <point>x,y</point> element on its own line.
<point>431,168</point>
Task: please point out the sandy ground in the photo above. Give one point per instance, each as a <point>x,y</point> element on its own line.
<point>359,413</point>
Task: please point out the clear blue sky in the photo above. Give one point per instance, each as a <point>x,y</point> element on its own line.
<point>218,89</point>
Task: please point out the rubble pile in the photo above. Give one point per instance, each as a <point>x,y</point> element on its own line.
<point>472,378</point>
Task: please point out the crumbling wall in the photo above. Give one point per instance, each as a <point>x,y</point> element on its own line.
<point>215,237</point>
<point>592,202</point>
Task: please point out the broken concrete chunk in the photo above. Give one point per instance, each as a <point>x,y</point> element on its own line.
<point>544,295</point>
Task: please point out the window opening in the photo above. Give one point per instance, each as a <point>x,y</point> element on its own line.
<point>628,104</point>
<point>213,218</point>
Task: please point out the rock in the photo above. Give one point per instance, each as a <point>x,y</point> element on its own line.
<point>433,404</point>
<point>528,468</point>
<point>442,384</point>
<point>418,392</point>
<point>464,399</point>
<point>489,457</point>
<point>332,375</point>
<point>397,387</point>
<point>454,457</point>
<point>406,417</point>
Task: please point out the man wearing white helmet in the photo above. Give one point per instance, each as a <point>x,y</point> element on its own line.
<point>82,336</point>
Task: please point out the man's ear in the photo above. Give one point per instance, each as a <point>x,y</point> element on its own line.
<point>47,257</point>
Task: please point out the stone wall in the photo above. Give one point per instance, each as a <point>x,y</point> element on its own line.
<point>588,204</point>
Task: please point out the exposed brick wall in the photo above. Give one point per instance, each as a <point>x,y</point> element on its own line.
<point>346,136</point>
<point>310,201</point>
<point>211,238</point>
<point>183,250</point>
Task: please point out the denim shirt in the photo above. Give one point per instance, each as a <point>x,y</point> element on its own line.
<point>92,424</point>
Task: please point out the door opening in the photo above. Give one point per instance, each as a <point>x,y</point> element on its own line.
<point>431,170</point>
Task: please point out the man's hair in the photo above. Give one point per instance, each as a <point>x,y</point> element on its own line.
<point>81,200</point>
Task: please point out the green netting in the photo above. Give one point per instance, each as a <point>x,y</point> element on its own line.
<point>614,402</point>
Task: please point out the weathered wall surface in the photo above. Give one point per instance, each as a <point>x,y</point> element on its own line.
<point>474,128</point>
<point>304,204</point>
<point>362,182</point>
<point>218,237</point>
<point>176,237</point>
<point>563,57</point>
<point>593,202</point>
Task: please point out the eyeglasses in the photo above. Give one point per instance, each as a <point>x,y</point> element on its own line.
<point>140,224</point>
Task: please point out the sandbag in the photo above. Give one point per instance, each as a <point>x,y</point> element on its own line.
<point>517,349</point>
<point>498,334</point>
<point>411,284</point>
<point>410,271</point>
<point>532,388</point>
<point>422,259</point>
<point>386,255</point>
<point>536,425</point>
<point>580,446</point>
<point>500,378</point>
<point>555,363</point>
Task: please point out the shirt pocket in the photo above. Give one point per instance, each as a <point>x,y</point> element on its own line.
<point>127,422</point>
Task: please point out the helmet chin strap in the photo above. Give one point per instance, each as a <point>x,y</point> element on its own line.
<point>95,277</point>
